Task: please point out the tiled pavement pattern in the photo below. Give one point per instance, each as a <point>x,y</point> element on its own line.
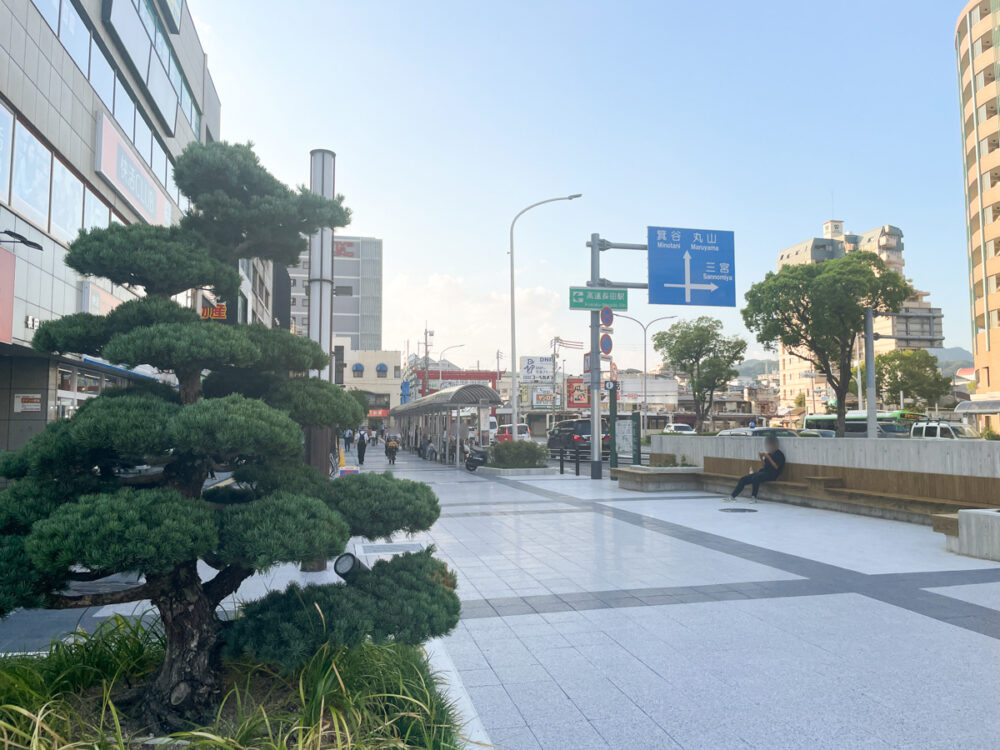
<point>596,618</point>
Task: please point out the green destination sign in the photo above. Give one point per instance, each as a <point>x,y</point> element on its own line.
<point>594,298</point>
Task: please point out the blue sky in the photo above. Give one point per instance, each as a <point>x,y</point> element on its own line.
<point>449,117</point>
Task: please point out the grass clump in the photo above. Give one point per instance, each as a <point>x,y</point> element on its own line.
<point>82,693</point>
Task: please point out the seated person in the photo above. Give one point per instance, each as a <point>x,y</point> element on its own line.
<point>772,462</point>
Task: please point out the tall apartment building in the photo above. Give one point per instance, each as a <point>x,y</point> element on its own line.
<point>916,326</point>
<point>357,302</point>
<point>977,34</point>
<point>97,99</point>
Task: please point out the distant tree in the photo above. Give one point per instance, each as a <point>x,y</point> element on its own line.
<point>800,400</point>
<point>817,311</point>
<point>698,349</point>
<point>73,512</point>
<point>914,372</point>
<point>361,398</point>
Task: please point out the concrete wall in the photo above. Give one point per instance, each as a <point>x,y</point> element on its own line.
<point>972,458</point>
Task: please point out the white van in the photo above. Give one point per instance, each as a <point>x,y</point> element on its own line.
<point>493,430</point>
<point>944,431</point>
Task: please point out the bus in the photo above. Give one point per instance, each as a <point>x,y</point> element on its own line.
<point>890,423</point>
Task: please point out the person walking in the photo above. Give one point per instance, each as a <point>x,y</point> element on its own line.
<point>772,463</point>
<point>348,439</point>
<point>362,447</point>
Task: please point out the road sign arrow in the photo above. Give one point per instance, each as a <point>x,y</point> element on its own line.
<point>577,296</point>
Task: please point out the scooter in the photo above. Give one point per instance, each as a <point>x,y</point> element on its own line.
<point>476,458</point>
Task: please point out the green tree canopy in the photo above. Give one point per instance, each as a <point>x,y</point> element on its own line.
<point>123,486</point>
<point>914,373</point>
<point>708,358</point>
<point>817,310</point>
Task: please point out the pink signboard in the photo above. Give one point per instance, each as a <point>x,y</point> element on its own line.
<point>124,170</point>
<point>6,296</point>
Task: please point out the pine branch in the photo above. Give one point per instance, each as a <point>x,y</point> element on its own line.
<point>226,582</point>
<point>101,599</point>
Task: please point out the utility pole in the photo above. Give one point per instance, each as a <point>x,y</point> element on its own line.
<point>596,434</point>
<point>870,372</point>
<point>427,358</point>
<point>555,343</point>
<point>499,354</point>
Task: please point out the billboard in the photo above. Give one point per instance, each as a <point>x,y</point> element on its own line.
<point>577,394</point>
<point>536,369</point>
<point>545,398</point>
<point>120,166</point>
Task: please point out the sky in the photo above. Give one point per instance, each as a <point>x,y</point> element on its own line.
<point>448,117</point>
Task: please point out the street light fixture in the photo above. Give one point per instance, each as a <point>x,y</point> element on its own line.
<point>20,239</point>
<point>645,328</point>
<point>513,331</point>
<point>441,359</point>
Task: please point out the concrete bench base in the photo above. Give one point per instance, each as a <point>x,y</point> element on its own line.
<point>659,479</point>
<point>492,471</point>
<point>978,534</point>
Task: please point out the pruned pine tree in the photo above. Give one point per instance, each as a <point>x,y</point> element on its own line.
<point>72,511</point>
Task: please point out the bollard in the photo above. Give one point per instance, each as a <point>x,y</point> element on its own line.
<point>562,459</point>
<point>578,461</point>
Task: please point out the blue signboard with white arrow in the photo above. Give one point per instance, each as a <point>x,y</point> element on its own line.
<point>691,267</point>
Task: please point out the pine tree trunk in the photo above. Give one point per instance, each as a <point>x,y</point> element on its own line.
<point>187,688</point>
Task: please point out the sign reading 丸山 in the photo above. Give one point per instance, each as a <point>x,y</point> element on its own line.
<point>596,298</point>
<point>691,267</point>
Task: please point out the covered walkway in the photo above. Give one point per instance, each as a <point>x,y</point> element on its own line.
<point>435,423</point>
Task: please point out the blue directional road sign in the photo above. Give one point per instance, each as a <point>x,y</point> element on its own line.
<point>691,267</point>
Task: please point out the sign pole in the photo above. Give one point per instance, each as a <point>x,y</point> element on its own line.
<point>613,423</point>
<point>596,435</point>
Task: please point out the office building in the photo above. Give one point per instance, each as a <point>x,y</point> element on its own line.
<point>357,302</point>
<point>976,34</point>
<point>916,326</point>
<point>97,100</point>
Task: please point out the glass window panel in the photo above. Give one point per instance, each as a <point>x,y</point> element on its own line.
<point>67,203</point>
<point>174,71</point>
<point>143,138</point>
<point>159,163</point>
<point>161,46</point>
<point>148,17</point>
<point>50,12</point>
<point>124,109</point>
<point>75,36</point>
<point>186,102</point>
<point>65,380</point>
<point>170,184</point>
<point>6,145</point>
<point>32,170</point>
<point>102,75</point>
<point>95,211</point>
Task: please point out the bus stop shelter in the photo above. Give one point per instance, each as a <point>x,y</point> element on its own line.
<point>438,417</point>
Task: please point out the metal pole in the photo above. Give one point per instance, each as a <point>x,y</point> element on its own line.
<point>870,372</point>
<point>595,364</point>
<point>513,326</point>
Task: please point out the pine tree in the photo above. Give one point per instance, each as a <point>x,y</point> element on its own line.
<point>72,512</point>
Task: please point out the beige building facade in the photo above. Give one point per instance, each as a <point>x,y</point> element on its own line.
<point>918,325</point>
<point>977,34</point>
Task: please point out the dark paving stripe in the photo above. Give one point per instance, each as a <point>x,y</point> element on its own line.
<point>646,597</point>
<point>903,590</point>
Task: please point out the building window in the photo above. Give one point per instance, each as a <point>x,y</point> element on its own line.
<point>396,372</point>
<point>102,76</point>
<point>50,12</point>
<point>95,211</point>
<point>143,138</point>
<point>67,203</point>
<point>32,173</point>
<point>75,37</point>
<point>358,369</point>
<point>124,109</point>
<point>381,371</point>
<point>65,380</point>
<point>6,145</point>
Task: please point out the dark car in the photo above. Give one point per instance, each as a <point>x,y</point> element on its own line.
<point>575,433</point>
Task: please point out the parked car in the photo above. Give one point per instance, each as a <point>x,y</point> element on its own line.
<point>678,428</point>
<point>575,433</point>
<point>506,434</point>
<point>944,431</point>
<point>818,433</point>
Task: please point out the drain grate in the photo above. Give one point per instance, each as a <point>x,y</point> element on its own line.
<point>389,548</point>
<point>737,510</point>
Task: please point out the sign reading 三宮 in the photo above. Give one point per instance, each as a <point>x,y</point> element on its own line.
<point>595,298</point>
<point>691,267</point>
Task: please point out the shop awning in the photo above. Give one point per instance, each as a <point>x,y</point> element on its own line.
<point>978,407</point>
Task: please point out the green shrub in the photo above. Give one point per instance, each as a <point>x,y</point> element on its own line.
<point>406,599</point>
<point>519,454</point>
<point>989,434</point>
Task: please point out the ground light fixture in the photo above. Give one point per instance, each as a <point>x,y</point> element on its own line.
<point>20,239</point>
<point>347,566</point>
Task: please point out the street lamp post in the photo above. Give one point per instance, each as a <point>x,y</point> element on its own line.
<point>645,328</point>
<point>441,359</point>
<point>513,331</point>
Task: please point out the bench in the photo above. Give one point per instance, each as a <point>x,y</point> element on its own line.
<point>653,479</point>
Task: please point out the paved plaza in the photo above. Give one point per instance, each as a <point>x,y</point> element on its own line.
<point>600,618</point>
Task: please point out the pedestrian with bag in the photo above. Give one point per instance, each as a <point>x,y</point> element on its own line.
<point>362,447</point>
